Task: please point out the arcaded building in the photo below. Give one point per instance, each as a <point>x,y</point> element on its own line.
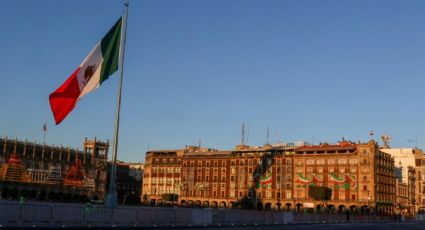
<point>38,171</point>
<point>222,178</point>
<point>360,176</point>
<point>162,175</point>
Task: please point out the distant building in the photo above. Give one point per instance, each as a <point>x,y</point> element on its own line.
<point>420,180</point>
<point>45,172</point>
<point>360,176</point>
<point>405,160</point>
<point>128,182</point>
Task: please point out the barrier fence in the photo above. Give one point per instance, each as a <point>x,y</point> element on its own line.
<point>75,215</point>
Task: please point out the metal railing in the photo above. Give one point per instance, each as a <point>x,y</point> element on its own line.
<point>77,215</point>
<point>74,215</point>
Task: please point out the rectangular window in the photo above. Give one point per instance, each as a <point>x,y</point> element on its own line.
<point>309,162</point>
<point>342,161</point>
<point>268,195</point>
<point>288,195</point>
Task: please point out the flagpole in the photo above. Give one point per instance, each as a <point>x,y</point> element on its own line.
<point>111,197</point>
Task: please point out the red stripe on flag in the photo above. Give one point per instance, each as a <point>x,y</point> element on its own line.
<point>63,100</point>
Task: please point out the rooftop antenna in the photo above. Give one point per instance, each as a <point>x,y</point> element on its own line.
<point>267,142</point>
<point>199,143</point>
<point>247,136</point>
<point>243,135</point>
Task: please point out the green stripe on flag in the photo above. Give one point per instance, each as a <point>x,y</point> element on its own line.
<point>110,51</point>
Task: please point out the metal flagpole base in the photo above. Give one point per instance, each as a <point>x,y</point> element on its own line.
<point>111,200</point>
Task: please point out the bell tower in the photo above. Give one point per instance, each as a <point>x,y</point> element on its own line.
<point>96,158</point>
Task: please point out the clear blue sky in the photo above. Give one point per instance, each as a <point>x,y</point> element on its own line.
<point>198,69</point>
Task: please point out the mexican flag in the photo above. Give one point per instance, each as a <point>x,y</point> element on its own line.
<point>101,62</point>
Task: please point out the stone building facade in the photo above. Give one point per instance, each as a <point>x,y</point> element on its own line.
<point>162,174</point>
<point>420,180</point>
<point>45,172</point>
<point>360,176</point>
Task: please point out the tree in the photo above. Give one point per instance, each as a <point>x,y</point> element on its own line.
<point>170,197</point>
<point>245,203</point>
<point>321,193</point>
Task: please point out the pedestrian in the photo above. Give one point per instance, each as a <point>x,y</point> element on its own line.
<point>87,208</point>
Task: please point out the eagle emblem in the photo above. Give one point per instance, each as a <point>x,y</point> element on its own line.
<point>88,73</point>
